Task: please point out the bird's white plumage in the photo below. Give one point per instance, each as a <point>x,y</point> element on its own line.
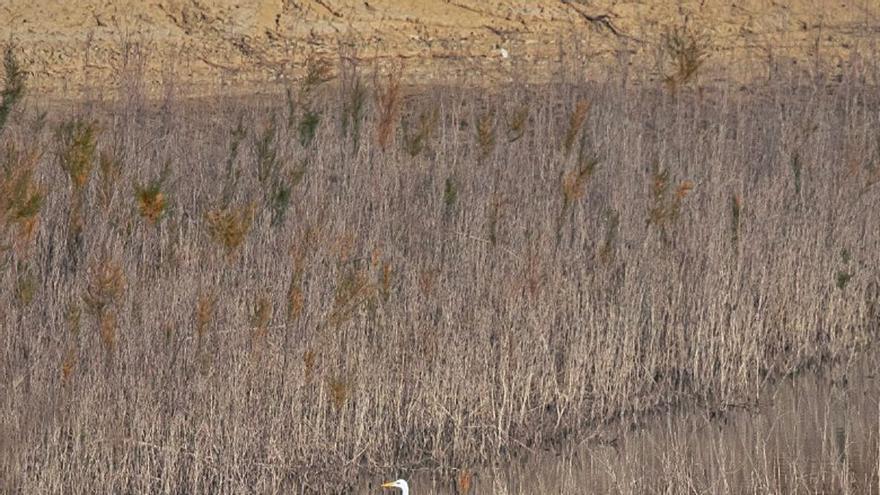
<point>402,485</point>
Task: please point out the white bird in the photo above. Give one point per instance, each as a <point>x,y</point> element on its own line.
<point>401,484</point>
<point>504,52</point>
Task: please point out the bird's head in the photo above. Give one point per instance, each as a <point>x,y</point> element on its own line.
<point>400,484</point>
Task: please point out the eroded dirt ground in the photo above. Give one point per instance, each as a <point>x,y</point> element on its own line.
<point>205,45</point>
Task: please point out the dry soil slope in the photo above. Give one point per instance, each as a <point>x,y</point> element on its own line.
<point>205,45</point>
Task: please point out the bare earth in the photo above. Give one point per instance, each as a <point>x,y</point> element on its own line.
<point>205,45</point>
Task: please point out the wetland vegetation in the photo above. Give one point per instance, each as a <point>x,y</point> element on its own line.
<point>352,281</point>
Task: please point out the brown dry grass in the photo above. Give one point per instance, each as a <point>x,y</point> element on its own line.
<point>398,337</point>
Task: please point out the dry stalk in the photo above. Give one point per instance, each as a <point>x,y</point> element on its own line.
<point>388,100</point>
<point>575,123</point>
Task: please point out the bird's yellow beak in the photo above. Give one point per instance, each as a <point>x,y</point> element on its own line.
<point>390,484</point>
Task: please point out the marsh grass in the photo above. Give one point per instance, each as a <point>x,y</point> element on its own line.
<point>575,122</point>
<point>21,198</point>
<point>684,50</point>
<point>417,136</point>
<point>14,79</point>
<point>406,318</point>
<point>810,434</point>
<point>516,123</point>
<point>152,200</point>
<point>229,226</point>
<point>355,96</point>
<point>388,101</point>
<point>486,137</point>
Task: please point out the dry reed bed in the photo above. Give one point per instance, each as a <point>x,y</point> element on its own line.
<point>219,297</point>
<point>813,433</point>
